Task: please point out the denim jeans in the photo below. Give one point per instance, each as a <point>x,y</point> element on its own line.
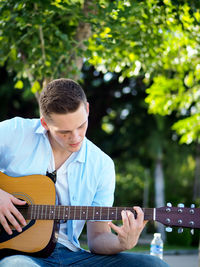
<point>62,257</point>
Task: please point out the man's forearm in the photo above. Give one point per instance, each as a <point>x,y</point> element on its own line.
<point>105,243</point>
<point>102,241</point>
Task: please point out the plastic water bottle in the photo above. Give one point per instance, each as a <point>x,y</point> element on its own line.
<point>156,248</point>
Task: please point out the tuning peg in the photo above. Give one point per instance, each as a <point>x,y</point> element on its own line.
<point>192,231</point>
<point>169,204</point>
<point>192,206</point>
<point>168,229</point>
<point>181,205</point>
<point>180,230</point>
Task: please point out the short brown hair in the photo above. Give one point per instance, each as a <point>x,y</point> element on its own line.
<point>61,96</point>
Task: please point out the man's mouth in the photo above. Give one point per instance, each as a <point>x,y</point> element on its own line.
<point>75,144</point>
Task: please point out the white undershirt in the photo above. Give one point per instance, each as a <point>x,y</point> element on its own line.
<point>62,197</point>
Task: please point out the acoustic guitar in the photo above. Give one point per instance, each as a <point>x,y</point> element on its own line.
<point>39,236</point>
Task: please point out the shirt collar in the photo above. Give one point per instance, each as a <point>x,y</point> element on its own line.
<point>40,129</point>
<point>81,154</point>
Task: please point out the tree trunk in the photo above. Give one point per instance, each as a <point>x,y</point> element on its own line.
<point>196,190</point>
<point>146,189</point>
<point>199,254</point>
<point>83,33</point>
<point>159,190</point>
<point>146,194</point>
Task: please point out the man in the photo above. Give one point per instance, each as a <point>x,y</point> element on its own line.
<point>85,177</point>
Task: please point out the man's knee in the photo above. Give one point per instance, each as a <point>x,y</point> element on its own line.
<point>20,260</point>
<point>136,259</point>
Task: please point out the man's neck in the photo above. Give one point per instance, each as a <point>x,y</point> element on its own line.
<point>60,158</point>
<point>60,154</point>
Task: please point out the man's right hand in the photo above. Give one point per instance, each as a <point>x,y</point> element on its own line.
<point>9,213</point>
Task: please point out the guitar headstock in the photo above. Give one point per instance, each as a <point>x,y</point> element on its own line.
<point>179,216</point>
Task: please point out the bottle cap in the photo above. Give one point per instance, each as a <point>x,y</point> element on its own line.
<point>157,234</point>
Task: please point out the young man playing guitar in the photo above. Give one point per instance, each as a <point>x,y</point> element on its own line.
<point>56,144</point>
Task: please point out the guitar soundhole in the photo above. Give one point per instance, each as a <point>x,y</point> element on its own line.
<point>24,197</point>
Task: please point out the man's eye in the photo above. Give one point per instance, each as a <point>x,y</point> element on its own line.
<point>82,126</point>
<point>64,133</point>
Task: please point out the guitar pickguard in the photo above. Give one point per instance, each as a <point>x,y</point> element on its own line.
<point>5,237</point>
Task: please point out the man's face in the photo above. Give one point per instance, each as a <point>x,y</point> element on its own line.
<point>67,131</point>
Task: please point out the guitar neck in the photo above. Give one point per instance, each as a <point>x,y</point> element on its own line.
<point>51,212</point>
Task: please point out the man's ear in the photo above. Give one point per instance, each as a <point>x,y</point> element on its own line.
<point>88,108</point>
<point>44,124</point>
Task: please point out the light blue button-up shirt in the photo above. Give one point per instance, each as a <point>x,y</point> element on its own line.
<point>25,150</point>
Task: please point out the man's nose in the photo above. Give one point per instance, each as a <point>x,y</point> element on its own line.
<point>74,135</point>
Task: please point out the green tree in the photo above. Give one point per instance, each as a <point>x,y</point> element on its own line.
<point>42,40</point>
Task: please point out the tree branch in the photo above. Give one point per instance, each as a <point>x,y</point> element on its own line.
<point>42,43</point>
<point>83,32</point>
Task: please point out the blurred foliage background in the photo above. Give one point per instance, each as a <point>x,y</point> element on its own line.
<point>138,62</point>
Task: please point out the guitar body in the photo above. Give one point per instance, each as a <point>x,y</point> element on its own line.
<point>38,238</point>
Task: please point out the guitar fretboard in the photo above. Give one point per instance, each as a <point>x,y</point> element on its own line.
<point>51,212</point>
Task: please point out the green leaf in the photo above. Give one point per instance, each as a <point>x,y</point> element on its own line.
<point>189,79</point>
<point>36,87</point>
<point>19,84</point>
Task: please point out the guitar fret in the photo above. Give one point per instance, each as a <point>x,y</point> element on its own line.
<point>113,214</point>
<point>36,208</point>
<point>63,214</point>
<point>39,211</point>
<point>93,212</point>
<point>42,212</point>
<point>108,213</point>
<point>46,212</point>
<point>50,212</point>
<point>44,209</point>
<point>84,213</point>
<point>35,211</point>
<point>116,214</point>
<point>100,212</point>
<point>58,216</point>
<point>32,212</point>
<point>54,212</point>
<point>80,212</point>
<point>74,212</point>
<point>67,212</point>
<point>87,213</point>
